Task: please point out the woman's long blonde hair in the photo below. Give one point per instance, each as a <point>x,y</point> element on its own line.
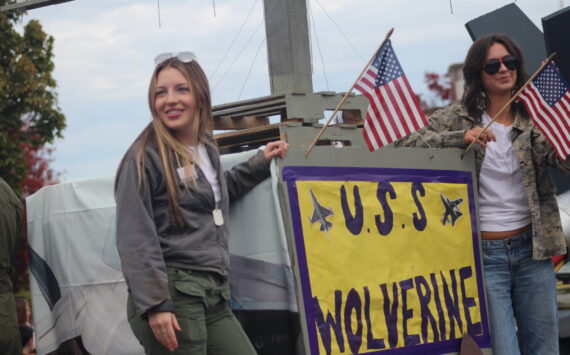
<point>174,154</point>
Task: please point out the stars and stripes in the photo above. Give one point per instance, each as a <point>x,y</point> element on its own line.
<point>394,110</point>
<point>547,100</point>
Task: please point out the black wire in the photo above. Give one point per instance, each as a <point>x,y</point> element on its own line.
<point>159,24</point>
<point>318,45</point>
<point>340,30</point>
<point>233,41</point>
<point>451,6</point>
<point>250,68</point>
<point>239,55</point>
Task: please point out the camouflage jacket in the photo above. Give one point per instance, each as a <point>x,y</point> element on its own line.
<point>445,129</point>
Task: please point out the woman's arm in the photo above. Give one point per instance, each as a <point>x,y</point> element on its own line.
<point>137,241</point>
<point>243,177</point>
<point>274,149</point>
<point>163,325</point>
<point>446,129</point>
<point>141,256</point>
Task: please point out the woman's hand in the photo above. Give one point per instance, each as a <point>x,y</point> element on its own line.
<point>163,325</point>
<point>470,135</point>
<point>273,149</point>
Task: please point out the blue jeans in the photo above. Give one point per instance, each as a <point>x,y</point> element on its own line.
<point>521,293</point>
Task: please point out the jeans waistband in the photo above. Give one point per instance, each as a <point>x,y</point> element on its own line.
<point>523,240</point>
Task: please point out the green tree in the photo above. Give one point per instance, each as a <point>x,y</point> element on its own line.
<point>29,113</point>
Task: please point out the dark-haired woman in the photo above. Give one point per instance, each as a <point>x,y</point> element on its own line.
<point>519,218</point>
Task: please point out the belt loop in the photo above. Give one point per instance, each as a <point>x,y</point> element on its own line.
<point>528,238</point>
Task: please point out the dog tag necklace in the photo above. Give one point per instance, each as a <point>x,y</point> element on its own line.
<point>218,216</point>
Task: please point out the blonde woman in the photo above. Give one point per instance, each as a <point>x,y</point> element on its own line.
<point>172,211</point>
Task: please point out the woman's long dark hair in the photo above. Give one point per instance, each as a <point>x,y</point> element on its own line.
<point>473,99</point>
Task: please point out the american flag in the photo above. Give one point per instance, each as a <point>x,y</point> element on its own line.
<point>547,100</point>
<point>394,110</point>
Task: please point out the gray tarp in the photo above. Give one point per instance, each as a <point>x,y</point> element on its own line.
<point>77,286</point>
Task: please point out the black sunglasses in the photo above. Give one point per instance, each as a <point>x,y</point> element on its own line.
<point>492,66</point>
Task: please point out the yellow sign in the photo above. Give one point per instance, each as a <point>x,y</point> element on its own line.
<point>388,265</point>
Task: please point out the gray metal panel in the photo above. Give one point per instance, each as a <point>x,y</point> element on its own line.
<point>556,28</point>
<point>510,20</point>
<point>357,155</point>
<point>30,4</point>
<point>288,49</point>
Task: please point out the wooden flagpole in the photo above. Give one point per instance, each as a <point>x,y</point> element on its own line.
<point>311,146</point>
<point>508,103</point>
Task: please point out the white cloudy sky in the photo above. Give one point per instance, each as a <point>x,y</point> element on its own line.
<point>104,51</point>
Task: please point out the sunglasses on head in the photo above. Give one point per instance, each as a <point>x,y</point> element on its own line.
<point>184,57</point>
<point>492,66</point>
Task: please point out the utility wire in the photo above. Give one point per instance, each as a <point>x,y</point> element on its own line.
<point>237,57</point>
<point>233,41</point>
<point>159,24</point>
<point>318,45</point>
<point>214,4</point>
<point>451,6</point>
<point>341,31</point>
<point>245,46</point>
<point>250,68</point>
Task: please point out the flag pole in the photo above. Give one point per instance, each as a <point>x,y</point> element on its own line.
<point>311,146</point>
<point>544,63</point>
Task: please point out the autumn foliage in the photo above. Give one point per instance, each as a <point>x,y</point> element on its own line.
<point>439,85</point>
<point>39,174</point>
<point>29,115</point>
<point>30,118</point>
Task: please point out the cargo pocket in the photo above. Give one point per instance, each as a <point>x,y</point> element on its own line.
<point>9,333</point>
<point>189,288</point>
<point>219,296</point>
<point>189,295</point>
<point>189,303</point>
<point>226,292</point>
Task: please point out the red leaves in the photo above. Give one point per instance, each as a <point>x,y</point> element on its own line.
<point>39,174</point>
<point>442,88</point>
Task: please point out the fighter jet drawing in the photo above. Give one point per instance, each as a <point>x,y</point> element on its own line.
<point>451,213</point>
<point>320,215</point>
